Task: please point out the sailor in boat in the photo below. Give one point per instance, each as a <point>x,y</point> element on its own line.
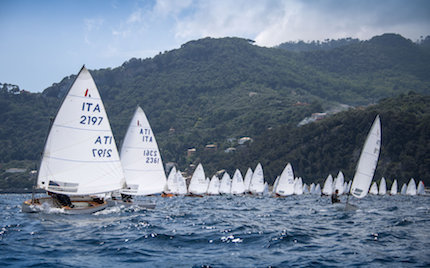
<point>335,197</point>
<point>126,198</point>
<point>62,199</point>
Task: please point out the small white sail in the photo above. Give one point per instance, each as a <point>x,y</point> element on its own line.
<point>368,161</point>
<point>141,159</point>
<point>328,185</point>
<point>393,190</point>
<point>80,155</point>
<point>275,184</point>
<point>170,184</point>
<point>257,181</point>
<point>198,184</point>
<point>237,186</point>
<point>373,189</point>
<point>298,187</point>
<point>266,189</point>
<point>412,188</point>
<point>214,184</point>
<point>305,188</point>
<point>317,190</point>
<point>421,188</point>
<point>382,187</point>
<point>247,179</point>
<point>285,184</point>
<point>404,188</point>
<point>338,185</point>
<point>312,188</point>
<point>225,184</point>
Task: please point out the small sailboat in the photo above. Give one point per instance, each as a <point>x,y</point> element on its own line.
<point>213,188</point>
<point>312,188</point>
<point>317,190</point>
<point>412,188</point>
<point>374,189</point>
<point>225,184</point>
<point>421,188</point>
<point>247,179</point>
<point>367,163</point>
<point>338,183</point>
<point>170,184</point>
<point>256,186</point>
<point>285,185</point>
<point>393,190</point>
<point>237,186</point>
<point>141,159</point>
<point>382,187</point>
<point>403,189</point>
<point>275,185</point>
<point>298,186</point>
<point>80,159</point>
<point>328,185</point>
<point>198,185</point>
<point>181,184</point>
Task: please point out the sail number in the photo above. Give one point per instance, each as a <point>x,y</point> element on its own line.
<point>151,156</point>
<point>102,152</point>
<point>152,160</point>
<point>91,120</point>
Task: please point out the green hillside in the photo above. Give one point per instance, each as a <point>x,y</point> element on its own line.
<point>214,90</point>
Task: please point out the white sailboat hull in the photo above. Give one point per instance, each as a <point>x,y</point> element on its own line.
<point>47,204</point>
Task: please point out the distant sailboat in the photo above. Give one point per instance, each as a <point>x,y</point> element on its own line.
<point>225,184</point>
<point>285,185</point>
<point>298,187</point>
<point>404,188</point>
<point>312,188</point>
<point>214,184</point>
<point>237,186</point>
<point>338,183</point>
<point>198,185</point>
<point>421,188</point>
<point>328,185</point>
<point>393,190</point>
<point>412,188</point>
<point>373,189</point>
<point>141,159</point>
<point>368,161</point>
<point>317,190</point>
<point>382,187</point>
<point>256,186</point>
<point>247,179</point>
<point>80,158</point>
<point>181,184</point>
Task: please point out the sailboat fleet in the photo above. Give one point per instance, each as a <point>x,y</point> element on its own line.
<point>83,172</point>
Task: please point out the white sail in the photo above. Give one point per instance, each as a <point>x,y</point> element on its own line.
<point>317,190</point>
<point>393,190</point>
<point>382,187</point>
<point>225,184</point>
<point>247,180</point>
<point>412,188</point>
<point>266,189</point>
<point>338,185</point>
<point>312,188</point>
<point>328,185</point>
<point>170,184</point>
<point>198,184</point>
<point>285,184</point>
<point>298,187</point>
<point>421,188</point>
<point>80,155</point>
<point>237,186</point>
<point>305,188</point>
<point>141,159</point>
<point>373,189</point>
<point>257,181</point>
<point>213,188</point>
<point>368,160</point>
<point>404,188</point>
<point>275,184</point>
<point>181,184</point>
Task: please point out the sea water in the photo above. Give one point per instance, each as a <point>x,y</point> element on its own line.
<point>222,231</point>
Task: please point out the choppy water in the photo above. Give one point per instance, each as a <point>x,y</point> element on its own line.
<point>222,232</point>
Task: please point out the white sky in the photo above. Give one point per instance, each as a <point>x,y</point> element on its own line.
<point>43,41</point>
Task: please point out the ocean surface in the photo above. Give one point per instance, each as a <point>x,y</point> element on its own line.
<point>220,231</point>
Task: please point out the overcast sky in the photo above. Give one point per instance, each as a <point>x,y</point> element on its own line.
<point>45,40</point>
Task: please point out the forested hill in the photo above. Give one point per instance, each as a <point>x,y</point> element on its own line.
<point>212,90</point>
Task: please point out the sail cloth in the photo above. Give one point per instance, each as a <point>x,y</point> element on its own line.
<point>213,188</point>
<point>237,186</point>
<point>285,185</point>
<point>393,190</point>
<point>141,159</point>
<point>412,188</point>
<point>80,155</point>
<point>382,187</point>
<point>225,184</point>
<point>198,185</point>
<point>368,160</point>
<point>247,180</point>
<point>328,185</point>
<point>257,181</point>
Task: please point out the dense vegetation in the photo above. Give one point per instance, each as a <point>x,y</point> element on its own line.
<point>217,90</point>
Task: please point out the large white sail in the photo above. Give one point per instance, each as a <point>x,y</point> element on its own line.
<point>198,185</point>
<point>285,185</point>
<point>257,181</point>
<point>80,155</point>
<point>141,159</point>
<point>368,160</point>
<point>382,187</point>
<point>237,186</point>
<point>393,190</point>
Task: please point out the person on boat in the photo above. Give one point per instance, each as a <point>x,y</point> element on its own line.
<point>126,198</point>
<point>62,199</point>
<point>335,197</point>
